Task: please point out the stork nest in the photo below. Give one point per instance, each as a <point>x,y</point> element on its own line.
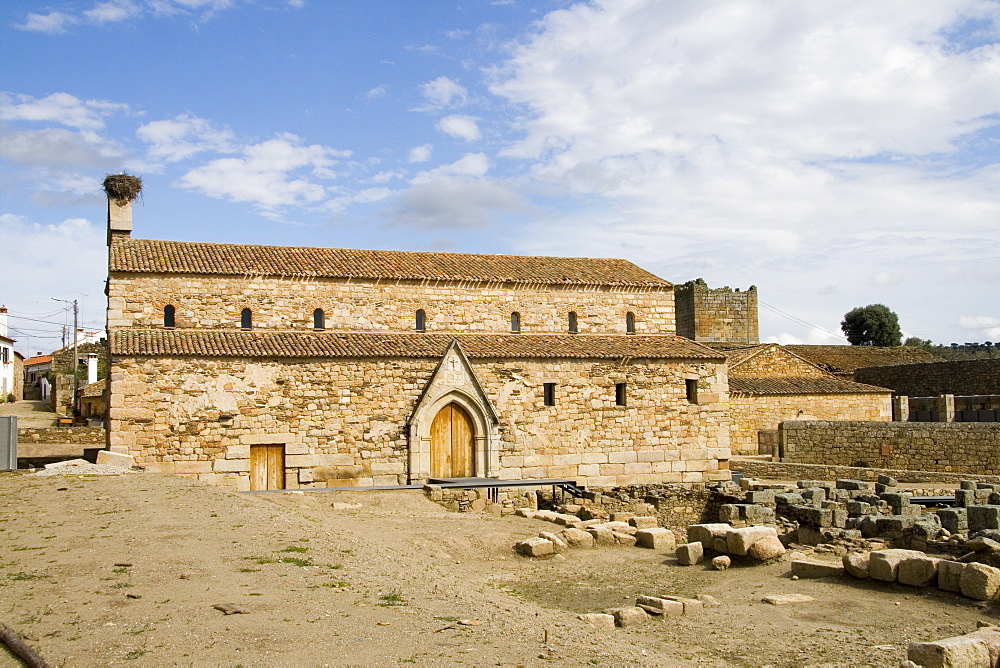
<point>122,188</point>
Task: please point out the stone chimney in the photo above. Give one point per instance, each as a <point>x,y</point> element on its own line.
<point>3,321</point>
<point>119,219</point>
<point>121,189</point>
<point>91,368</point>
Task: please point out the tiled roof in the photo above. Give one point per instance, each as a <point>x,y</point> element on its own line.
<point>39,359</point>
<point>94,389</point>
<point>363,344</point>
<point>737,353</point>
<point>801,385</point>
<point>845,359</point>
<point>146,256</point>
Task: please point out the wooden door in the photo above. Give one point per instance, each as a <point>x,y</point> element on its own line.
<point>267,467</point>
<point>451,443</point>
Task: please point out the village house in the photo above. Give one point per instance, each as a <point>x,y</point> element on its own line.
<point>275,367</point>
<point>11,364</point>
<point>37,372</point>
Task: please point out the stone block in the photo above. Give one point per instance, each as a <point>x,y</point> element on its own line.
<point>757,514</point>
<point>558,544</point>
<point>787,599</point>
<point>305,475</point>
<point>812,568</point>
<point>788,499</point>
<point>188,467</point>
<point>896,501</point>
<point>241,451</point>
<point>983,517</point>
<point>720,545</point>
<point>598,620</point>
<point>660,606</point>
<point>578,538</point>
<point>761,496</point>
<point>234,466</point>
<point>738,541</point>
<point>535,547</point>
<point>690,554</point>
<point>814,494</point>
<point>692,606</point>
<point>856,485</point>
<point>721,562</point>
<point>267,439</point>
<point>957,652</point>
<point>918,571</point>
<point>625,539</point>
<point>627,616</point>
<point>892,526</point>
<point>888,481</point>
<point>950,575</point>
<point>732,513</point>
<point>603,535</point>
<point>979,581</point>
<point>814,517</point>
<point>990,635</point>
<point>884,564</point>
<point>116,459</point>
<point>656,539</point>
<point>644,522</point>
<point>768,547</point>
<point>706,533</point>
<point>808,484</point>
<point>857,564</point>
<point>965,497</point>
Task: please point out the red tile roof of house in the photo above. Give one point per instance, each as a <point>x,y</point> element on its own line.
<point>203,343</point>
<point>147,256</point>
<point>38,359</point>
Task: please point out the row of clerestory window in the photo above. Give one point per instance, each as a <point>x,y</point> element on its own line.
<point>621,393</point>
<point>420,322</point>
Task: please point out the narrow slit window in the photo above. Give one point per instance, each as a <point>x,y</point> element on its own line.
<point>630,323</point>
<point>515,322</point>
<point>246,319</point>
<point>549,392</point>
<point>421,320</point>
<point>573,327</point>
<point>691,388</point>
<point>319,320</point>
<point>168,316</point>
<point>621,396</point>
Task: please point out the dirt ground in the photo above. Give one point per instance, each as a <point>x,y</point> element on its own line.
<point>125,570</point>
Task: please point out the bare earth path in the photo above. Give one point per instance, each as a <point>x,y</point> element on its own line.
<point>386,583</point>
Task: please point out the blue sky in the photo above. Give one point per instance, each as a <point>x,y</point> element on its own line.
<point>835,154</point>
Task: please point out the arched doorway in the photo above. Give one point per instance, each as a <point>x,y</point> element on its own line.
<point>452,439</point>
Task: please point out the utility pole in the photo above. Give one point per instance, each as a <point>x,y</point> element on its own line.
<point>76,355</point>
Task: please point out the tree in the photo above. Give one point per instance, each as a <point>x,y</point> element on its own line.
<point>916,342</point>
<point>872,325</point>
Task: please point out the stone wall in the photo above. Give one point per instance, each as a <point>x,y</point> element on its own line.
<point>61,375</point>
<point>344,421</point>
<point>753,413</point>
<point>202,302</point>
<point>716,315</point>
<point>966,377</point>
<point>921,446</point>
<point>789,471</point>
<point>61,435</point>
<point>675,506</point>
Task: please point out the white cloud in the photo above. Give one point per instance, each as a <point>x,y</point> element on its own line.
<point>52,23</point>
<point>791,145</point>
<point>276,173</point>
<point>469,165</point>
<point>443,93</point>
<point>60,148</point>
<point>72,248</point>
<point>376,93</point>
<point>420,153</point>
<point>184,136</point>
<point>978,322</point>
<point>60,108</point>
<point>112,11</point>
<point>460,127</point>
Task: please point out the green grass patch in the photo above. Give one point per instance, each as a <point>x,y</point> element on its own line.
<point>295,548</point>
<point>392,597</point>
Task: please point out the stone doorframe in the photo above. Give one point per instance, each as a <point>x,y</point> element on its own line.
<point>454,381</point>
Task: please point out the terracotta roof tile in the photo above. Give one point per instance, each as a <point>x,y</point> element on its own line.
<point>147,256</point>
<point>845,359</point>
<point>38,359</point>
<point>801,385</point>
<point>407,345</point>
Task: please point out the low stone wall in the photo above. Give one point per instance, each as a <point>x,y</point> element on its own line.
<point>93,436</point>
<point>922,380</point>
<point>676,506</point>
<point>971,448</point>
<point>789,471</point>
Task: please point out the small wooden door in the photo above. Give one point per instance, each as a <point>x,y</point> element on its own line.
<point>451,443</point>
<point>267,467</point>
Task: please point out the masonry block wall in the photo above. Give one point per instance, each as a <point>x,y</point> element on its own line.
<point>752,413</point>
<point>716,315</point>
<point>216,302</point>
<point>62,373</point>
<point>967,377</point>
<point>917,446</point>
<point>343,421</point>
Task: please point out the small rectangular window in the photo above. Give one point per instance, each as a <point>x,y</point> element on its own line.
<point>691,387</point>
<point>620,396</point>
<point>550,394</point>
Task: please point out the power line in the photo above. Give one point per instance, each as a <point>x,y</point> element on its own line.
<point>800,321</point>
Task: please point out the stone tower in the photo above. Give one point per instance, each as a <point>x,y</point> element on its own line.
<point>720,315</point>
